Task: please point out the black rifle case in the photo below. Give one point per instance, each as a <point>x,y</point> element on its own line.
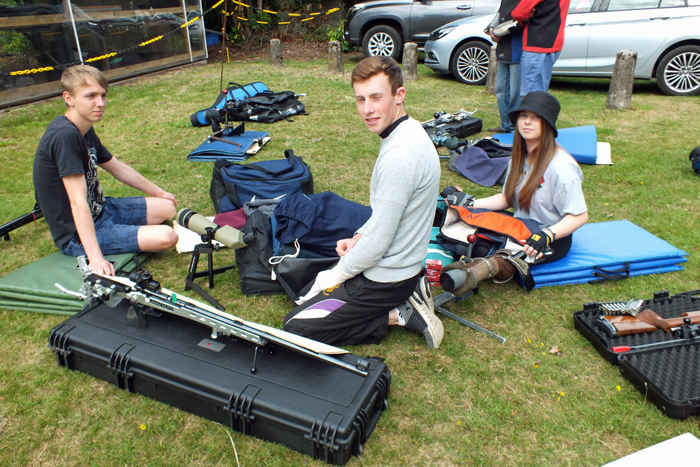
<point>460,129</point>
<point>311,406</point>
<point>662,365</point>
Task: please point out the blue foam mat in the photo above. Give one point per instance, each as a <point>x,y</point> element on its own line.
<point>218,150</point>
<point>611,246</point>
<point>581,142</point>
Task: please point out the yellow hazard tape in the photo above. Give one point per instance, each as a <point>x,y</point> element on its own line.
<point>101,57</point>
<point>33,70</point>
<point>184,25</point>
<point>142,44</point>
<point>189,22</point>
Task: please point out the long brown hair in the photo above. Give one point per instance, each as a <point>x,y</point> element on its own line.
<point>539,159</point>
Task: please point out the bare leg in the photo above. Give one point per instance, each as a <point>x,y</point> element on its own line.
<point>158,210</point>
<point>156,237</point>
<point>393,317</point>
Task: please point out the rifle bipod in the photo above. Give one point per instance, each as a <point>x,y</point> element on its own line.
<point>446,297</point>
<point>209,248</point>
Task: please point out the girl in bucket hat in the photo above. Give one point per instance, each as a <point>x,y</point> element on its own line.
<point>543,183</point>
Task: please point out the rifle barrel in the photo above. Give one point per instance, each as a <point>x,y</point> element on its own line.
<point>24,219</point>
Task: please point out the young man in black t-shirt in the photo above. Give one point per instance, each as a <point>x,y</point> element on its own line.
<point>82,221</point>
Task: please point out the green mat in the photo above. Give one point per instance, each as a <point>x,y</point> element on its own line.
<point>32,288</point>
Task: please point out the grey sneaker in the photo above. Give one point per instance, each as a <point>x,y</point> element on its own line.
<point>419,313</point>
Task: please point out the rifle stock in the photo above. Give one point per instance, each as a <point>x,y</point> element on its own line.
<point>625,325</point>
<point>649,317</point>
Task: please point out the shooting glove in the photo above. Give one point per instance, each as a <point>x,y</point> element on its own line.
<point>326,280</point>
<point>539,241</point>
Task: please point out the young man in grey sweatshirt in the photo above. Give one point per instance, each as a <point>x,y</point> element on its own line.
<point>379,279</point>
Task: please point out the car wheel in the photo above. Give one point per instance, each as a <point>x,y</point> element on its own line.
<point>678,73</point>
<point>471,63</point>
<point>383,41</point>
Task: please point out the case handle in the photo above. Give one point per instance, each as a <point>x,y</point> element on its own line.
<point>604,275</point>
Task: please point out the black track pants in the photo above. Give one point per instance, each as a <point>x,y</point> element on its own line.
<point>355,312</point>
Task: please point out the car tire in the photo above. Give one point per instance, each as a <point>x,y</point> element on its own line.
<point>383,41</point>
<point>471,63</point>
<point>678,73</point>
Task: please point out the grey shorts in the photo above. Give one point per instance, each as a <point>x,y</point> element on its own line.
<point>117,228</point>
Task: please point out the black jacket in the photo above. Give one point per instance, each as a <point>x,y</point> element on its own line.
<point>509,46</point>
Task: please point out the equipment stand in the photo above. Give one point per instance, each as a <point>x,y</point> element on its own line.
<point>448,297</point>
<point>209,248</point>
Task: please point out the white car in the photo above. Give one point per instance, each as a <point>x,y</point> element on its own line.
<point>664,33</point>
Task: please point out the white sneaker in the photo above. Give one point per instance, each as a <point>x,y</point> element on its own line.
<point>419,313</point>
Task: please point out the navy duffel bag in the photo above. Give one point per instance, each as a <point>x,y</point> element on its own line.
<point>233,185</point>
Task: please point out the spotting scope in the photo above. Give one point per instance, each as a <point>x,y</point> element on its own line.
<point>232,238</point>
<point>453,279</point>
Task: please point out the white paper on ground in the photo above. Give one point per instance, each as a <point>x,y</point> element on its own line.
<point>681,451</point>
<point>603,154</point>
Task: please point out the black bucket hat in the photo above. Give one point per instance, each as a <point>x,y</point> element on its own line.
<point>543,104</point>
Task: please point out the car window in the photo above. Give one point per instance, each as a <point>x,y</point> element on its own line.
<point>618,5</point>
<point>674,3</point>
<point>581,6</point>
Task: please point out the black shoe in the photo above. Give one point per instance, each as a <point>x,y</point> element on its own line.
<point>497,129</point>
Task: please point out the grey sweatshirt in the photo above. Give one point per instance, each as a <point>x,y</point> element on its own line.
<point>403,195</point>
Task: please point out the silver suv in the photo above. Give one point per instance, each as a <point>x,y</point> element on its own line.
<point>382,27</point>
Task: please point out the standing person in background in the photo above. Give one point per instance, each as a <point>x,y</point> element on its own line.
<point>508,53</point>
<point>543,39</point>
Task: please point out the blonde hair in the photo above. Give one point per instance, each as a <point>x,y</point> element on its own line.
<point>75,77</point>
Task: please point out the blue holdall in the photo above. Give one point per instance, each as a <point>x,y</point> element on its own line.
<point>233,185</point>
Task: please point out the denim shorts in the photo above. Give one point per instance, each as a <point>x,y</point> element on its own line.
<point>117,228</point>
<point>536,71</point>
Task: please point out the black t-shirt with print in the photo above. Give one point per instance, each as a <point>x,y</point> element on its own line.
<point>62,152</point>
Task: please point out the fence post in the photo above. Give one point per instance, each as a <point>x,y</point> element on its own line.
<point>335,57</point>
<point>622,81</point>
<point>276,52</point>
<point>491,73</point>
<point>409,64</point>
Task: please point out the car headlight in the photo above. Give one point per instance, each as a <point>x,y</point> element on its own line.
<point>440,33</point>
<point>352,12</point>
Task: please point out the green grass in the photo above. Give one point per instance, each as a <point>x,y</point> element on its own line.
<point>471,402</point>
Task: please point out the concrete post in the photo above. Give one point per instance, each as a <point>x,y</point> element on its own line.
<point>409,64</point>
<point>620,91</point>
<point>276,52</point>
<point>335,57</point>
<point>491,73</point>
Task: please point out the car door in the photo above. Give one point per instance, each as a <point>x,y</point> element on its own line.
<point>428,15</point>
<point>637,25</point>
<point>572,60</point>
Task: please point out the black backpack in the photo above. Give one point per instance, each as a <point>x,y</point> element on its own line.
<point>268,107</point>
<point>249,103</point>
<point>695,159</point>
<point>254,269</point>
